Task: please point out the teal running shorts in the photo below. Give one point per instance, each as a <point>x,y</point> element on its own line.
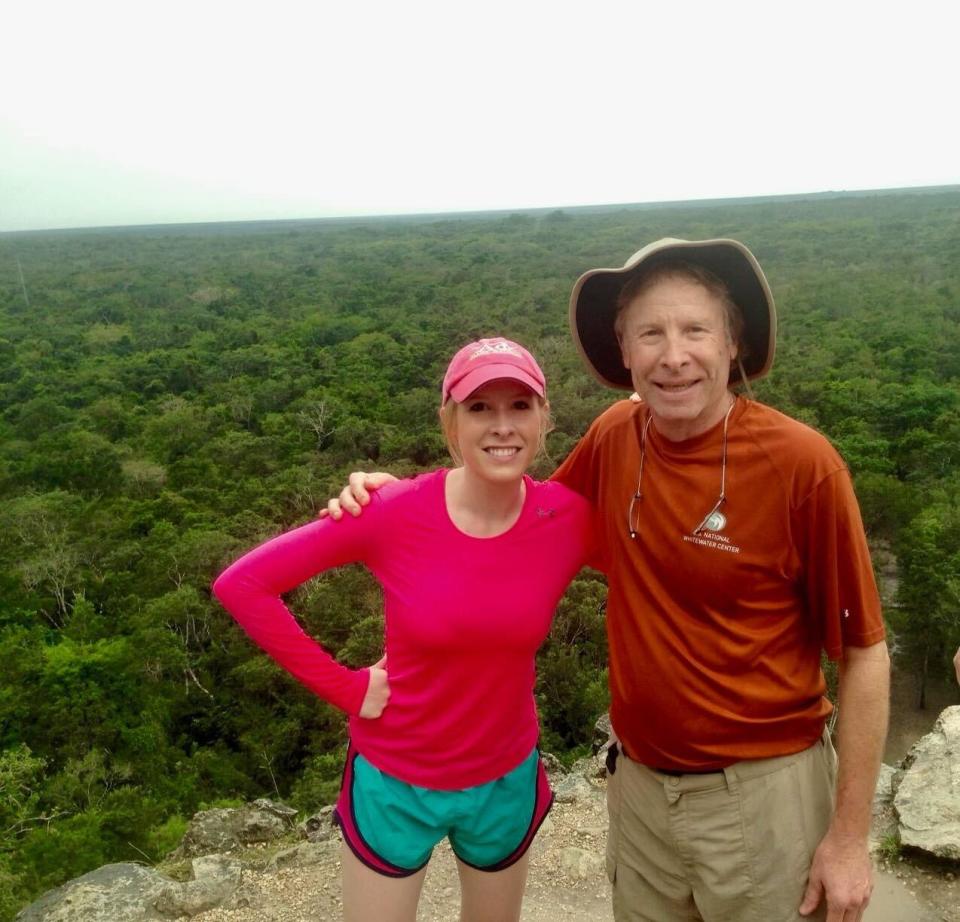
<point>392,826</point>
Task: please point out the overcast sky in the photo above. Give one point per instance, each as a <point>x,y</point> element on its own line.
<point>145,112</point>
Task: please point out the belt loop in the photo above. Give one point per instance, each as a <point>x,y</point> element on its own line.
<point>670,790</point>
<point>730,776</point>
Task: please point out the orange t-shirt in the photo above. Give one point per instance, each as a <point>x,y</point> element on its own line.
<point>715,639</point>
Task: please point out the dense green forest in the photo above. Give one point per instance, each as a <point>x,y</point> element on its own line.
<point>171,396</point>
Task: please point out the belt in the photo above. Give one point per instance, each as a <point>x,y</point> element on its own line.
<point>749,768</point>
<point>615,750</point>
<point>673,773</point>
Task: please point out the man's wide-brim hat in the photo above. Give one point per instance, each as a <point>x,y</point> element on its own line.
<point>593,304</point>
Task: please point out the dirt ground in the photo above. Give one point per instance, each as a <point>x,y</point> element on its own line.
<point>567,878</point>
<point>907,722</point>
<point>567,882</point>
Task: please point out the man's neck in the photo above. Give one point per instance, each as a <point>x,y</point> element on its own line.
<point>680,430</point>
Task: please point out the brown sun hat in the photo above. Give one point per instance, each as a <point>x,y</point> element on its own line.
<point>593,305</point>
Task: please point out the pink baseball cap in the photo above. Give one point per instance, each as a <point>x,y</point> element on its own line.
<point>488,360</point>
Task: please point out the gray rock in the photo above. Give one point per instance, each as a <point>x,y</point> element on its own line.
<point>602,731</point>
<point>265,820</point>
<point>211,831</point>
<point>301,856</point>
<point>579,863</point>
<point>552,765</point>
<point>319,827</point>
<point>222,830</point>
<point>927,798</point>
<point>883,795</point>
<point>216,879</point>
<point>591,768</point>
<point>883,823</point>
<point>574,787</point>
<point>113,893</point>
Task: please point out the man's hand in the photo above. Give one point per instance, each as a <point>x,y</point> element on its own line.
<point>354,495</point>
<point>842,873</point>
<point>378,691</point>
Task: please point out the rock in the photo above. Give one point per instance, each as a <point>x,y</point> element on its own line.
<point>591,768</point>
<point>579,863</point>
<point>319,827</point>
<point>574,787</point>
<point>552,765</point>
<point>300,856</point>
<point>602,731</point>
<point>926,799</point>
<point>222,830</point>
<point>216,879</point>
<point>883,795</point>
<point>113,893</point>
<point>210,831</point>
<point>265,820</point>
<point>883,823</point>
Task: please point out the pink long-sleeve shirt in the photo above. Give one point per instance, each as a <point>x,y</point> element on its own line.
<point>464,617</point>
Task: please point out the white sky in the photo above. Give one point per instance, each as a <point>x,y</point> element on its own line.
<point>144,112</point>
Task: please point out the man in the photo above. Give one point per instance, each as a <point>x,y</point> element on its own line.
<point>956,664</point>
<point>735,555</point>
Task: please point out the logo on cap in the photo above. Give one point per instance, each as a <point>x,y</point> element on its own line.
<point>499,348</point>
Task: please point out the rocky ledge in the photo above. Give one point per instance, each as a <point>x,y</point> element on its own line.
<point>257,863</point>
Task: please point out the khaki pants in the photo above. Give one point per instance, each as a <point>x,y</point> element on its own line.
<point>730,846</point>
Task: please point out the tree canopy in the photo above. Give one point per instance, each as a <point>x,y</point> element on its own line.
<point>171,396</point>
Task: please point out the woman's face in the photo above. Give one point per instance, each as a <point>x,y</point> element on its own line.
<point>497,430</point>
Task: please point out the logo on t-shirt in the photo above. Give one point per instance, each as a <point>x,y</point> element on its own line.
<point>711,535</point>
<point>715,522</point>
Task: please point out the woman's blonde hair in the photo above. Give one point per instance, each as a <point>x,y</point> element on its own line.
<point>448,422</point>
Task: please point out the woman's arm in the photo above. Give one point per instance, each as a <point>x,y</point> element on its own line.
<point>250,589</point>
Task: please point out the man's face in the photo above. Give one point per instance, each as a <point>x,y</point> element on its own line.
<point>676,347</point>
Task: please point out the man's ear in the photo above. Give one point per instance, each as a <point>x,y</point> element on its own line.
<point>623,352</point>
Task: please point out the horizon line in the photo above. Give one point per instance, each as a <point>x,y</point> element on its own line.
<point>473,213</point>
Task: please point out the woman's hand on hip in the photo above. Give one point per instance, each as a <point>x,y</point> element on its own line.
<point>378,691</point>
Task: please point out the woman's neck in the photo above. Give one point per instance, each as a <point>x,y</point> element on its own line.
<point>481,508</point>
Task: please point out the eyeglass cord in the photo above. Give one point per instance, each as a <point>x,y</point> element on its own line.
<point>638,494</point>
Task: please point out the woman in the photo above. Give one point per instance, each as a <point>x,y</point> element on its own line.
<point>473,561</point>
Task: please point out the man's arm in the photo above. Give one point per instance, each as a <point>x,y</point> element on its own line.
<point>354,496</point>
<point>578,472</point>
<point>841,870</point>
<point>956,664</point>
